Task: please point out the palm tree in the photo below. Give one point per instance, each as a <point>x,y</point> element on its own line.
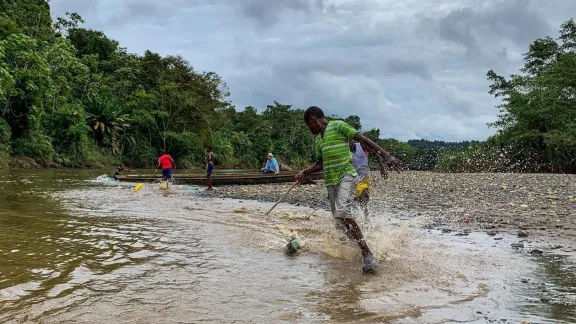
<point>108,121</point>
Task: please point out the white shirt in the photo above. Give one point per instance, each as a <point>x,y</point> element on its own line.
<point>360,161</point>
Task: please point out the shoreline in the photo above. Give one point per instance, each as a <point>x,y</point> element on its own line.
<point>526,205</point>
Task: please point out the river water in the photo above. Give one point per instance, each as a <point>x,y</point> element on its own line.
<point>74,249</point>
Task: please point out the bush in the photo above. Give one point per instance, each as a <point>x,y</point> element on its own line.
<point>37,146</point>
<point>70,135</point>
<point>140,154</point>
<point>5,134</point>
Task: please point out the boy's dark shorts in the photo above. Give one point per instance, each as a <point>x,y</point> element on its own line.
<point>167,174</point>
<point>209,169</point>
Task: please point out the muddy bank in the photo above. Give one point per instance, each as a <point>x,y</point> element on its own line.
<point>523,204</point>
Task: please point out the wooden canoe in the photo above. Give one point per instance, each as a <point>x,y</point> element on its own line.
<point>219,179</point>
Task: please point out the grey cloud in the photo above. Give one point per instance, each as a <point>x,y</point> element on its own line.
<point>268,12</point>
<point>516,20</point>
<point>455,100</point>
<point>416,68</point>
<point>86,9</point>
<point>457,27</point>
<point>154,11</point>
<point>116,13</point>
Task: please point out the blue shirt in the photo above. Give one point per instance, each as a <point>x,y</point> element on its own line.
<point>271,165</point>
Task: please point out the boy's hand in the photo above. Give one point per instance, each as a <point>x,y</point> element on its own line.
<point>383,173</point>
<point>299,176</point>
<point>396,165</point>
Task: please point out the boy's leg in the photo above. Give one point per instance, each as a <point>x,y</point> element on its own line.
<point>209,175</point>
<point>363,194</point>
<point>366,197</point>
<point>341,197</point>
<point>354,233</point>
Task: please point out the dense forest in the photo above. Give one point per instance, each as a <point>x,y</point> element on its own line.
<point>71,96</point>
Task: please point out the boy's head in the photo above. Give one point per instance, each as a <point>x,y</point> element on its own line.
<point>209,149</point>
<point>314,117</point>
<point>162,151</point>
<point>352,146</point>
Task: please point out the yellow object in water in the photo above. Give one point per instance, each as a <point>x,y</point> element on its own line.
<point>139,186</point>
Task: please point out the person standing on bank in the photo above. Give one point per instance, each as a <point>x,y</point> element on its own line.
<point>335,160</point>
<point>209,164</point>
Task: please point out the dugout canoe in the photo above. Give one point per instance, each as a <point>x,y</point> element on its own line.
<point>219,179</point>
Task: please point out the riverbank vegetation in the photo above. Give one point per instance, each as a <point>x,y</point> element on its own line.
<point>72,96</point>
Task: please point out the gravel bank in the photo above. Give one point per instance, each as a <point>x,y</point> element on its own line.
<point>531,203</point>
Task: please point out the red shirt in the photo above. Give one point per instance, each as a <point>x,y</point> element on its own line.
<point>165,161</point>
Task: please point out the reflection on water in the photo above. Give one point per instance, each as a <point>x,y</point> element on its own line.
<point>78,251</point>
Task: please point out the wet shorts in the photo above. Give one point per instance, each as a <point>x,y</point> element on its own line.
<point>341,197</point>
<point>209,169</point>
<point>167,174</point>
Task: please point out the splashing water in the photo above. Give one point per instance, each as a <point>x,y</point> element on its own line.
<point>157,255</point>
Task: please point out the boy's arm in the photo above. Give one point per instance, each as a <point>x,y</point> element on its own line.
<point>392,162</point>
<point>173,162</point>
<point>316,167</point>
<point>383,172</point>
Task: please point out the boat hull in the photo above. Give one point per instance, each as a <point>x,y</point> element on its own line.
<point>222,178</point>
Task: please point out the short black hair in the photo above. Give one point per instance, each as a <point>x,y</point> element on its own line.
<point>313,111</point>
<point>209,148</point>
<point>162,151</point>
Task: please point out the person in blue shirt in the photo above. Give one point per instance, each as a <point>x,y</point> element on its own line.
<point>271,165</point>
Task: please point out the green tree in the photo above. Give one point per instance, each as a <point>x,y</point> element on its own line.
<point>354,121</point>
<point>108,122</point>
<point>32,17</point>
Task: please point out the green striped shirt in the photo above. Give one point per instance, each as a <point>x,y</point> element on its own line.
<point>333,151</point>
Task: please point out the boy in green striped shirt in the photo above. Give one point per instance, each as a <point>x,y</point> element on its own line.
<point>334,158</point>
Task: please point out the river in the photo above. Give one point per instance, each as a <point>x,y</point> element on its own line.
<point>75,249</point>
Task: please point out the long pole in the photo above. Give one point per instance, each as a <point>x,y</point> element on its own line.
<point>281,198</point>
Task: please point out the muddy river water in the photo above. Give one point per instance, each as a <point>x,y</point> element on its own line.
<point>74,249</point>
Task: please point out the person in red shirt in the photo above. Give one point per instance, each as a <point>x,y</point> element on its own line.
<point>165,162</point>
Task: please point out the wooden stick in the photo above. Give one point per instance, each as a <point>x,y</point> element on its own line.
<point>281,198</point>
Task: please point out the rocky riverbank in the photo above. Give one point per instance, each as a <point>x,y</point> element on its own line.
<point>522,204</point>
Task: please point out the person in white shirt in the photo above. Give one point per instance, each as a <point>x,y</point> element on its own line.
<point>360,162</point>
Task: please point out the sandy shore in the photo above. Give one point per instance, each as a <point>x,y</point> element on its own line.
<point>523,204</point>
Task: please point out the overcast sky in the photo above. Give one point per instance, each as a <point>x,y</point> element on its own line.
<point>413,68</point>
